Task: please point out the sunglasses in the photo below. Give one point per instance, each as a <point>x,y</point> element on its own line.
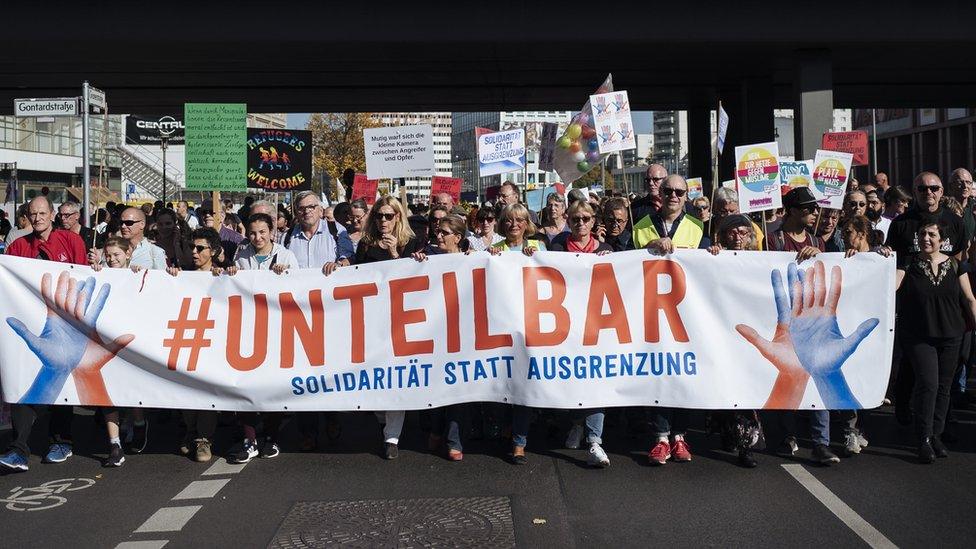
<point>858,204</point>
<point>701,208</point>
<point>486,220</point>
<point>675,192</point>
<point>130,222</point>
<point>385,217</point>
<point>930,188</point>
<point>200,249</point>
<point>442,232</point>
<point>580,219</point>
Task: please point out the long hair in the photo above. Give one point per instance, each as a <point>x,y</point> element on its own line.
<point>517,211</point>
<point>401,229</point>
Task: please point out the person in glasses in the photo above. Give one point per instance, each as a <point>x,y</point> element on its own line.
<point>387,236</point>
<point>670,228</point>
<point>903,233</point>
<point>518,231</point>
<point>484,235</point>
<point>69,218</point>
<point>651,202</point>
<point>960,187</point>
<point>508,195</point>
<point>855,203</point>
<point>702,209</point>
<point>437,212</point>
<point>145,254</point>
<point>614,229</point>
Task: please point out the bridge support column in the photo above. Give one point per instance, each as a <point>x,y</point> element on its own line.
<point>813,110</point>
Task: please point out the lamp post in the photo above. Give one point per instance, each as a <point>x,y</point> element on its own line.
<point>163,144</point>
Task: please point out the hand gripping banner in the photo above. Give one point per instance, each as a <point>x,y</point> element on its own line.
<point>738,330</point>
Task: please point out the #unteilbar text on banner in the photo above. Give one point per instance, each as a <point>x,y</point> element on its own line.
<point>557,330</point>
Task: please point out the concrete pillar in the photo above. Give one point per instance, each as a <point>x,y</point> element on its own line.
<point>749,103</point>
<point>700,145</point>
<point>813,111</point>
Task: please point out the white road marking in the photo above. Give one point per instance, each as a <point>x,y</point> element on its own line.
<point>199,489</point>
<point>148,544</point>
<point>221,467</point>
<point>169,519</point>
<point>835,505</point>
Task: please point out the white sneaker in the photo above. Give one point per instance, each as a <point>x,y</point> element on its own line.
<point>597,457</point>
<point>574,437</point>
<point>861,440</point>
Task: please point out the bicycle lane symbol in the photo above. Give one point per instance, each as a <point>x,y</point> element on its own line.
<point>46,495</point>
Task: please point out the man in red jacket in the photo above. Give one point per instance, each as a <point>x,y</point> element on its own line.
<point>62,246</point>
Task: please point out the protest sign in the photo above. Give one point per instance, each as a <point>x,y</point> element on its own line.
<point>365,189</point>
<point>547,146</point>
<point>795,174</point>
<point>757,177</point>
<point>613,123</point>
<point>723,128</point>
<point>830,172</point>
<point>450,185</point>
<point>279,160</point>
<point>501,152</point>
<point>695,188</point>
<point>555,330</point>
<point>855,142</point>
<point>729,184</point>
<point>578,149</point>
<point>399,151</point>
<point>216,136</point>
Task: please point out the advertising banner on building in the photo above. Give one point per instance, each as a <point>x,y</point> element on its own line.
<point>556,330</point>
<point>150,130</point>
<point>279,160</point>
<point>757,177</point>
<point>830,172</point>
<point>501,152</point>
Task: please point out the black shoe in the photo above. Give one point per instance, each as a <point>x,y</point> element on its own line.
<point>269,449</point>
<point>140,437</point>
<point>116,457</point>
<point>939,448</point>
<point>823,455</point>
<point>392,451</point>
<point>746,459</point>
<point>788,447</point>
<point>925,452</point>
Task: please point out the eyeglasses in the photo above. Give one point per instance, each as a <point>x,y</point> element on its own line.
<point>487,220</point>
<point>675,192</point>
<point>858,204</point>
<point>741,232</point>
<point>444,233</point>
<point>701,208</point>
<point>303,209</point>
<point>385,217</point>
<point>614,221</point>
<point>809,208</point>
<point>200,249</point>
<point>929,188</point>
<point>130,222</point>
<point>69,214</point>
<point>580,219</point>
<point>515,221</point>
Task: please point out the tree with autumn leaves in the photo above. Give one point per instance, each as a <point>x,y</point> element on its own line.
<point>337,140</point>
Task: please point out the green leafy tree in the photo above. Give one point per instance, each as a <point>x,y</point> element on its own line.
<point>337,139</point>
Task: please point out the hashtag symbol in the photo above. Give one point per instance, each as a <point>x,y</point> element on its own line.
<point>178,342</point>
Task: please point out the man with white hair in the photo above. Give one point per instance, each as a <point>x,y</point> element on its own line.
<point>69,214</point>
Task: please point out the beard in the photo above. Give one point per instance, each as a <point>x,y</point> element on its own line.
<point>872,215</point>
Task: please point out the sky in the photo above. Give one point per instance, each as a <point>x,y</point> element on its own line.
<point>643,121</point>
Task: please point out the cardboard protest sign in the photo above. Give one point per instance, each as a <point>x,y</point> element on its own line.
<point>363,188</point>
<point>855,142</point>
<point>695,188</point>
<point>830,172</point>
<point>613,123</point>
<point>450,185</point>
<point>399,151</point>
<point>795,174</point>
<point>501,152</point>
<point>216,155</point>
<point>757,177</point>
<point>279,160</point>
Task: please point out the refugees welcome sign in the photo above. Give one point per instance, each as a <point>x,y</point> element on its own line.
<point>740,330</point>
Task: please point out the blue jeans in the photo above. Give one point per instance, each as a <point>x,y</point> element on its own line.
<point>668,421</point>
<point>521,420</point>
<point>592,424</point>
<point>819,424</point>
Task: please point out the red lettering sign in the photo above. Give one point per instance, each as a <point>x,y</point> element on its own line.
<point>364,188</point>
<point>449,185</point>
<point>855,143</point>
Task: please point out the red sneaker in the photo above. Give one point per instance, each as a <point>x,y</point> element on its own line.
<point>681,451</point>
<point>660,453</point>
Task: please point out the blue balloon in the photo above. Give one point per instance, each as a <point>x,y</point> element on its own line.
<point>593,145</point>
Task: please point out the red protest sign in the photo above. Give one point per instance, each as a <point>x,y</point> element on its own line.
<point>450,185</point>
<point>364,188</point>
<point>855,143</point>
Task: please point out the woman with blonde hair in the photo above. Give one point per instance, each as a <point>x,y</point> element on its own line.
<point>386,236</point>
<point>518,230</point>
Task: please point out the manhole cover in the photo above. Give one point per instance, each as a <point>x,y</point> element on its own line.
<point>424,522</point>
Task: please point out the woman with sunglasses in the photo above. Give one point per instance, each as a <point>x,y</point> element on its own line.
<point>702,209</point>
<point>518,230</point>
<point>387,236</point>
<point>855,203</point>
<point>588,423</point>
<point>484,236</point>
<point>447,423</point>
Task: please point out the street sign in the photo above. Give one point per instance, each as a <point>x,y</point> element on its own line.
<point>54,106</point>
<point>96,101</point>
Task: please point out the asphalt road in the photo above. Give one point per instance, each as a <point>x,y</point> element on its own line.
<point>346,493</point>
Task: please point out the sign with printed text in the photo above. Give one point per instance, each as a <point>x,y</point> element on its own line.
<point>757,177</point>
<point>501,152</point>
<point>150,130</point>
<point>695,188</point>
<point>794,174</point>
<point>450,185</point>
<point>612,122</point>
<point>216,146</point>
<point>399,151</point>
<point>573,331</point>
<point>547,146</point>
<point>364,188</point>
<point>35,108</point>
<point>279,160</point>
<point>831,169</point>
<point>855,142</point>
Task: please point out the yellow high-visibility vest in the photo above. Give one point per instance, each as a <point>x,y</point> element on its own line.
<point>688,234</point>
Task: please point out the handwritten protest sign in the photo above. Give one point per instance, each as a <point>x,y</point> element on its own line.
<point>365,189</point>
<point>450,185</point>
<point>855,142</point>
<point>757,177</point>
<point>279,160</point>
<point>795,174</point>
<point>399,151</point>
<point>216,154</point>
<point>830,172</point>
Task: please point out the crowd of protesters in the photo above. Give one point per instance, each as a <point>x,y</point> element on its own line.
<point>928,225</point>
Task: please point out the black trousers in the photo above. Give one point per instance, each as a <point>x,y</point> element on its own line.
<point>23,416</point>
<point>934,362</point>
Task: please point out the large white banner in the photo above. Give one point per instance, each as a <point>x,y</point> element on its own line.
<point>740,330</point>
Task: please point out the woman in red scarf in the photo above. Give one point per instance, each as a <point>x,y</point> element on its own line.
<point>579,239</point>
